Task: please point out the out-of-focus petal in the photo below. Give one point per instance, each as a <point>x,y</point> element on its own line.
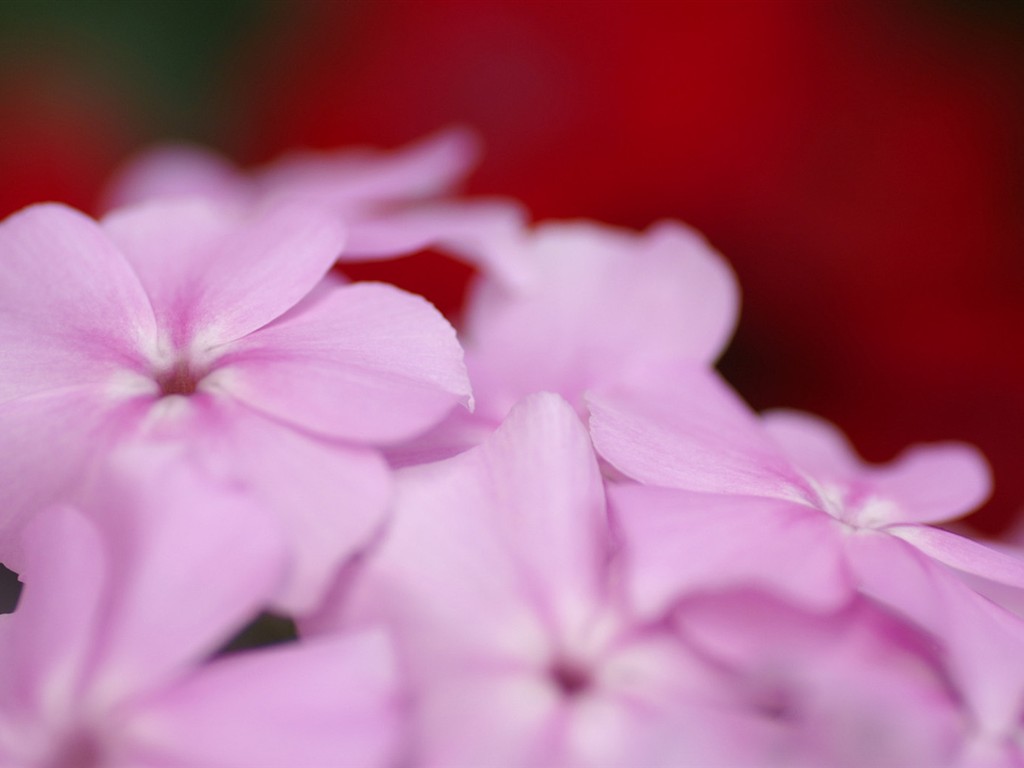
<point>71,309</point>
<point>981,639</point>
<point>813,444</point>
<point>370,363</point>
<point>165,522</point>
<point>935,483</point>
<point>678,543</point>
<point>49,444</point>
<point>363,177</point>
<point>598,302</point>
<point>487,234</point>
<point>46,645</point>
<point>219,272</point>
<point>324,702</point>
<point>176,170</point>
<point>685,428</point>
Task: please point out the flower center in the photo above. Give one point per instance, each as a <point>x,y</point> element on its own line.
<point>178,379</point>
<point>569,677</point>
<point>79,749</point>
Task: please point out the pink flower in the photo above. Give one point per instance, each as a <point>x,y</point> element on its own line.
<point>588,306</point>
<point>495,576</point>
<point>193,322</point>
<point>388,200</point>
<point>784,502</point>
<point>104,660</point>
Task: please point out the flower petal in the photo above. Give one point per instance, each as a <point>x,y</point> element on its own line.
<point>813,444</point>
<point>71,309</point>
<point>935,483</point>
<point>483,233</point>
<point>685,428</point>
<point>370,363</point>
<point>512,533</point>
<point>599,301</point>
<point>679,543</point>
<point>364,177</point>
<point>326,701</point>
<point>164,521</point>
<point>218,272</point>
<point>962,553</point>
<point>46,644</point>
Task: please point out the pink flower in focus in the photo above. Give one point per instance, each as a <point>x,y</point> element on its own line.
<point>495,577</point>
<point>194,322</point>
<point>104,662</point>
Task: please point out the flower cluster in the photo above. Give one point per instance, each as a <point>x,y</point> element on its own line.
<point>553,537</point>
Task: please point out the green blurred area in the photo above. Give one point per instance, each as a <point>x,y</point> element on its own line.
<point>167,60</point>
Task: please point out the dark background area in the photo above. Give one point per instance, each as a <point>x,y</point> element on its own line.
<point>861,164</point>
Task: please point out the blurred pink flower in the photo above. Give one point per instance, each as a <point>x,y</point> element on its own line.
<point>197,322</point>
<point>387,200</point>
<point>781,502</point>
<point>104,660</point>
<point>495,577</point>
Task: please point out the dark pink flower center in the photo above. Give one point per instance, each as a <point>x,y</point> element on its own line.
<point>569,677</point>
<point>80,749</point>
<point>179,379</point>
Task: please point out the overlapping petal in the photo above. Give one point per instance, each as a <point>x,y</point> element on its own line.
<point>369,363</point>
<point>72,311</point>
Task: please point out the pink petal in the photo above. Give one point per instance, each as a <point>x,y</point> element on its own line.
<point>215,272</point>
<point>49,445</point>
<point>982,640</point>
<point>361,177</point>
<point>482,233</point>
<point>813,444</point>
<point>962,553</point>
<point>46,644</point>
<point>177,170</point>
<point>678,544</point>
<point>71,309</point>
<point>165,521</point>
<point>370,363</point>
<point>505,533</point>
<point>598,301</point>
<point>685,428</point>
<point>324,702</point>
<point>329,499</point>
<point>935,483</point>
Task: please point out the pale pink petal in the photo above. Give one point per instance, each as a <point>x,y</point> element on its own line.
<point>512,533</point>
<point>677,544</point>
<point>935,483</point>
<point>165,521</point>
<point>49,444</point>
<point>216,272</point>
<point>962,553</point>
<point>687,429</point>
<point>46,645</point>
<point>324,702</point>
<point>813,444</point>
<point>982,640</point>
<point>484,233</point>
<point>330,498</point>
<point>370,363</point>
<point>176,170</point>
<point>71,309</point>
<point>598,302</point>
<point>363,177</point>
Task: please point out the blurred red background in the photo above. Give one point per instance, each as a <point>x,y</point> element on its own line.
<point>860,164</point>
